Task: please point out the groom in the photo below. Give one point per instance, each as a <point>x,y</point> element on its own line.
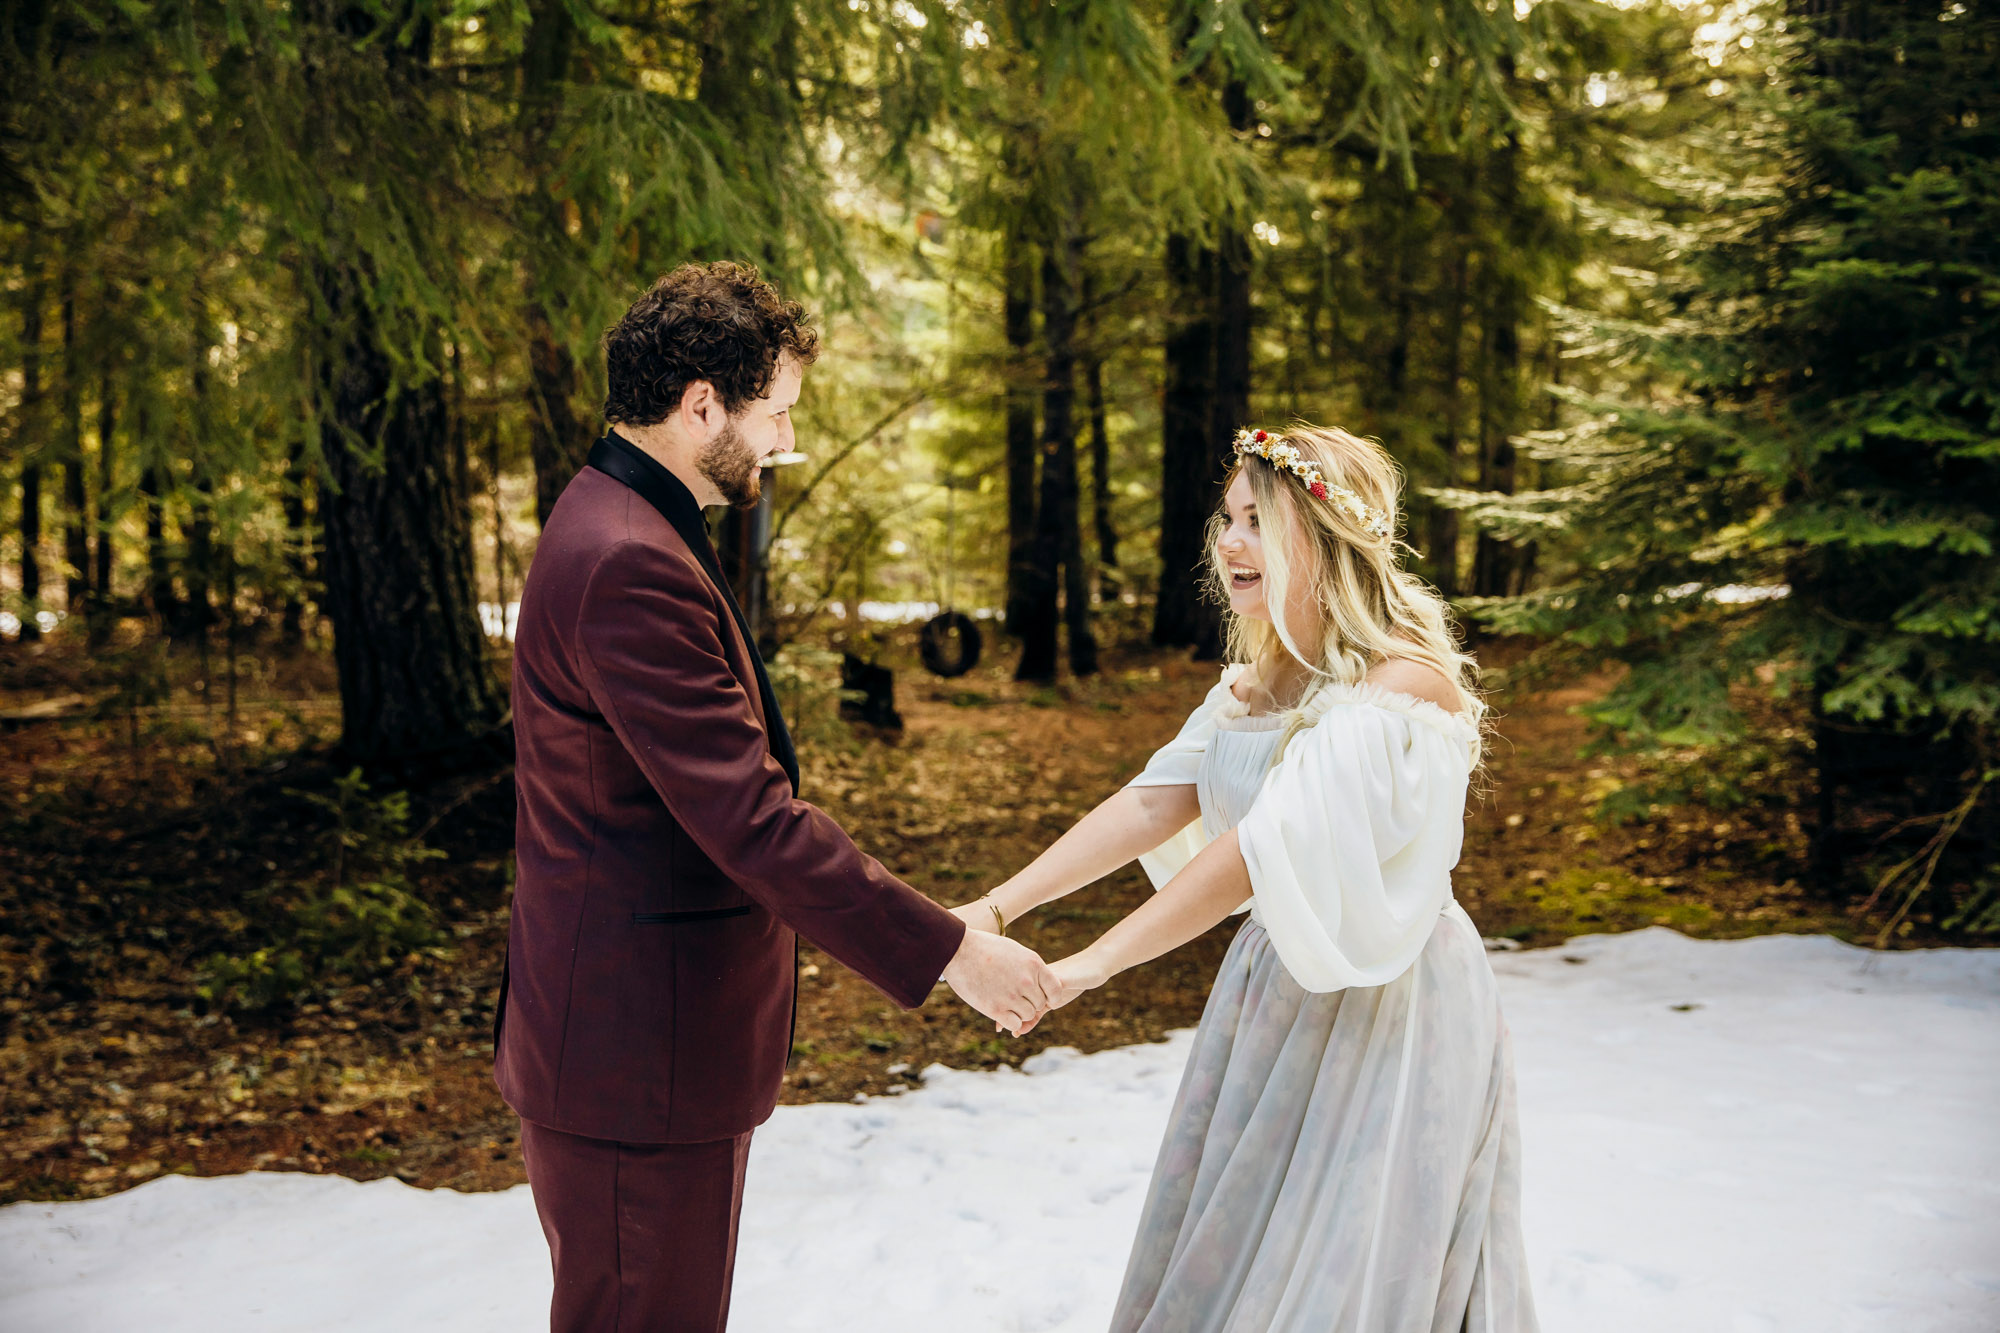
<point>664,859</point>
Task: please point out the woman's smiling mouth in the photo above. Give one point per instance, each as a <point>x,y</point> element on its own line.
<point>1242,578</point>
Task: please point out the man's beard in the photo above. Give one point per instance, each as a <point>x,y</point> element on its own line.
<point>731,467</point>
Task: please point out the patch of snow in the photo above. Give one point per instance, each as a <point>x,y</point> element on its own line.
<point>1772,1134</point>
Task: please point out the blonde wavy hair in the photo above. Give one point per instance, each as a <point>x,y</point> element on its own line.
<point>1365,608</point>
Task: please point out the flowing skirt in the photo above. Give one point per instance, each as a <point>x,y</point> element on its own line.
<point>1339,1163</point>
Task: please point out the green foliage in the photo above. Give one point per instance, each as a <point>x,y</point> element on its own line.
<point>1713,777</point>
<point>359,921</point>
<point>807,683</point>
<point>1587,900</point>
<point>1806,497</point>
<point>1979,914</point>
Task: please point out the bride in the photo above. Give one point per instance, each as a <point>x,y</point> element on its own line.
<point>1343,1152</point>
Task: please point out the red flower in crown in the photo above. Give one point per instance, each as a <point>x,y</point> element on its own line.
<point>1318,490</point>
<point>1260,437</point>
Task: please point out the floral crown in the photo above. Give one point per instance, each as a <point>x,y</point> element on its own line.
<point>1273,450</point>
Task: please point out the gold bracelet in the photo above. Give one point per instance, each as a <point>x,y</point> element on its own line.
<point>999,919</point>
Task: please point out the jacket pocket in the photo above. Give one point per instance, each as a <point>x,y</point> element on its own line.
<point>679,918</point>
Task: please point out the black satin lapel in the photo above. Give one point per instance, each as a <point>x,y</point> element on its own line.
<point>623,461</point>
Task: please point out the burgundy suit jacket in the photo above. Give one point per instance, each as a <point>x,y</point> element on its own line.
<point>663,858</point>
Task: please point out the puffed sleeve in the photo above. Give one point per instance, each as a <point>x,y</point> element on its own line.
<point>1176,764</point>
<point>1351,842</point>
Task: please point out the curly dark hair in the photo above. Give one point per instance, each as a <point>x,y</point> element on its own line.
<point>717,322</point>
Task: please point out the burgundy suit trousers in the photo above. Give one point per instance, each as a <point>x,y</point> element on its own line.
<point>643,1235</point>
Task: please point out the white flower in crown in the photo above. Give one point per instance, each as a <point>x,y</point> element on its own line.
<point>1280,454</point>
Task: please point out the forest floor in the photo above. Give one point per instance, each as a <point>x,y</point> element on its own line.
<point>139,843</point>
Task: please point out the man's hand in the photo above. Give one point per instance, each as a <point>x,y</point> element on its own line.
<point>1008,983</point>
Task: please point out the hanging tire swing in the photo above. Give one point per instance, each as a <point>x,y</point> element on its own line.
<point>950,642</point>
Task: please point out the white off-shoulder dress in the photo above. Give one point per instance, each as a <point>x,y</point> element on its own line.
<point>1344,1154</point>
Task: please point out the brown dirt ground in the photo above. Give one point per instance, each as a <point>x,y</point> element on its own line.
<point>131,846</point>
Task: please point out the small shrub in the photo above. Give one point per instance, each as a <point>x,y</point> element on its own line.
<point>358,920</point>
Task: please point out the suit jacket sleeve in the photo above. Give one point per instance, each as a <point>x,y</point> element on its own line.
<point>649,631</point>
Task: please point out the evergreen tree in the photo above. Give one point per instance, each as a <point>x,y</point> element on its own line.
<point>1811,490</point>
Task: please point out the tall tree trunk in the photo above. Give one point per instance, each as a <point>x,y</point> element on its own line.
<point>1058,548</point>
<point>1442,557</point>
<point>743,544</point>
<point>107,472</point>
<point>299,546</point>
<point>1383,336</point>
<point>32,441</point>
<point>1495,563</point>
<point>197,609</point>
<point>414,683</point>
<point>103,608</point>
<point>198,614</point>
<point>500,597</point>
<point>557,439</point>
<point>197,606</point>
<point>1231,408</point>
<point>1206,399</point>
<point>1018,314</point>
<point>161,601</point>
<point>1191,461</point>
<point>76,483</point>
<point>1100,465</point>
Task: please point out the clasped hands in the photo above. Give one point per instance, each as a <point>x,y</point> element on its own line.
<point>1008,982</point>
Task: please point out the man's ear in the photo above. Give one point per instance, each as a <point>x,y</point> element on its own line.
<point>701,411</point>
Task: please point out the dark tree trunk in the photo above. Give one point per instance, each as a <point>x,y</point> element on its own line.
<point>197,611</point>
<point>500,597</point>
<point>1386,247</point>
<point>1231,407</point>
<point>1496,564</point>
<point>743,544</point>
<point>1494,561</point>
<point>1442,557</point>
<point>1192,463</point>
<point>102,606</point>
<point>160,598</point>
<point>1206,400</point>
<point>1230,411</point>
<point>1019,320</point>
<point>31,441</point>
<point>107,471</point>
<point>557,439</point>
<point>76,482</point>
<point>414,683</point>
<point>1100,465</point>
<point>300,552</point>
<point>1058,549</point>
<point>31,540</point>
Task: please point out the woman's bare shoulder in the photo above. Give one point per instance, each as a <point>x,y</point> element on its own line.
<point>1407,676</point>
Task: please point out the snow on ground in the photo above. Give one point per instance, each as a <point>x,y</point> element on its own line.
<point>1739,1137</point>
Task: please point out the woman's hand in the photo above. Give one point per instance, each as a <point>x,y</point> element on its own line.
<point>1081,971</point>
<point>1075,974</point>
<point>978,915</point>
